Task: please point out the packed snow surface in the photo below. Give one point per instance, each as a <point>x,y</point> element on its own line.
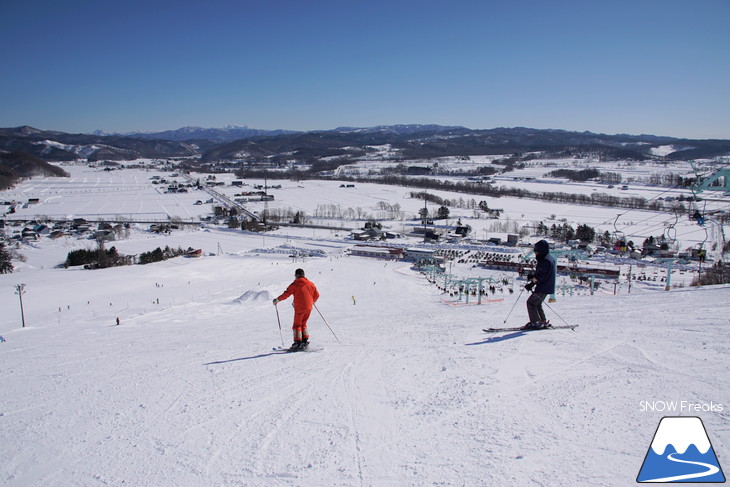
<point>187,390</point>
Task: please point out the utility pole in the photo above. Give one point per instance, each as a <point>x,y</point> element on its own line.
<point>266,203</point>
<point>19,290</point>
<point>425,214</point>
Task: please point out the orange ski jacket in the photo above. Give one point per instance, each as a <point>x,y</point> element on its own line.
<point>305,294</point>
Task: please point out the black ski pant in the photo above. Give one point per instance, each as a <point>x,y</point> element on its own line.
<point>534,307</point>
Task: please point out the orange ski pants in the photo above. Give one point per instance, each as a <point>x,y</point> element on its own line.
<point>301,316</point>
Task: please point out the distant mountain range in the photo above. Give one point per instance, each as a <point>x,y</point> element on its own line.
<point>236,132</point>
<point>59,146</point>
<point>249,145</point>
<point>431,141</point>
<point>395,129</point>
<point>231,132</point>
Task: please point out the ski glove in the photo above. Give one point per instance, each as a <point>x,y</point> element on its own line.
<point>275,301</point>
<point>530,276</point>
<point>529,285</point>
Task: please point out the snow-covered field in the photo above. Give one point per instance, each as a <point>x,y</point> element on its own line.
<point>93,192</point>
<point>130,195</point>
<point>187,390</point>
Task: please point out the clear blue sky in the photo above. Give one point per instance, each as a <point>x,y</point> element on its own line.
<point>616,66</point>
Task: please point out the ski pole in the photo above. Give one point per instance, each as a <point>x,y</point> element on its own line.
<point>328,325</point>
<point>279,321</point>
<point>556,313</point>
<point>513,306</point>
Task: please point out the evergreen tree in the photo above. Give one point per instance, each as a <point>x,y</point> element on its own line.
<point>585,233</point>
<point>6,263</point>
<point>150,257</point>
<point>568,232</point>
<point>554,231</point>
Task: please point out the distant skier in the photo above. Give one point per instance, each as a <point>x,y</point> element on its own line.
<point>305,295</point>
<point>543,280</point>
<point>700,219</point>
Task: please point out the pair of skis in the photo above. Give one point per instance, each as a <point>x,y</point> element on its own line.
<point>289,350</point>
<point>523,328</point>
<point>286,350</point>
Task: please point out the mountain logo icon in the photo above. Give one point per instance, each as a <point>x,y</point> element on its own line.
<point>681,452</point>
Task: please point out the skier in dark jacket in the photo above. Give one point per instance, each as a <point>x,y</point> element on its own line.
<point>543,282</point>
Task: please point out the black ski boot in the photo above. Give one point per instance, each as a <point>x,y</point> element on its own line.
<point>296,346</point>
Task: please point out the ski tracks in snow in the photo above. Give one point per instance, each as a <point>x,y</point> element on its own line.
<point>334,415</point>
<point>373,427</point>
<point>315,412</point>
<point>348,384</point>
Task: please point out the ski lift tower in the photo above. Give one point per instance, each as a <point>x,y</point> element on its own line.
<point>717,181</point>
<point>721,176</point>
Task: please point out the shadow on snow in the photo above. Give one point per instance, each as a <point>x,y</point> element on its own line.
<point>261,355</point>
<point>502,338</point>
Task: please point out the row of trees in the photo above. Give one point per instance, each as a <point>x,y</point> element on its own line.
<point>158,255</point>
<point>719,273</point>
<point>389,211</point>
<point>101,258</point>
<point>508,226</point>
<point>461,203</point>
<point>583,175</point>
<point>339,212</point>
<point>565,232</point>
<point>596,199</point>
<point>442,213</point>
<point>573,175</point>
<point>671,180</point>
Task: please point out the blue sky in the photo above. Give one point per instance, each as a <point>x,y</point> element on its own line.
<point>638,66</point>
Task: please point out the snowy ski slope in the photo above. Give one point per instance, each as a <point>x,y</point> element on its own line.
<point>187,390</point>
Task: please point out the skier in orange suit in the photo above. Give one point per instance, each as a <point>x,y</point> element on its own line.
<point>305,295</point>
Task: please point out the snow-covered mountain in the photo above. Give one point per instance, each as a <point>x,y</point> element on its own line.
<point>224,134</point>
<point>413,141</point>
<point>400,129</point>
<point>52,145</point>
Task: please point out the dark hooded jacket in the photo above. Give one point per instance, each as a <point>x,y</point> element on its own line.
<point>545,269</point>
